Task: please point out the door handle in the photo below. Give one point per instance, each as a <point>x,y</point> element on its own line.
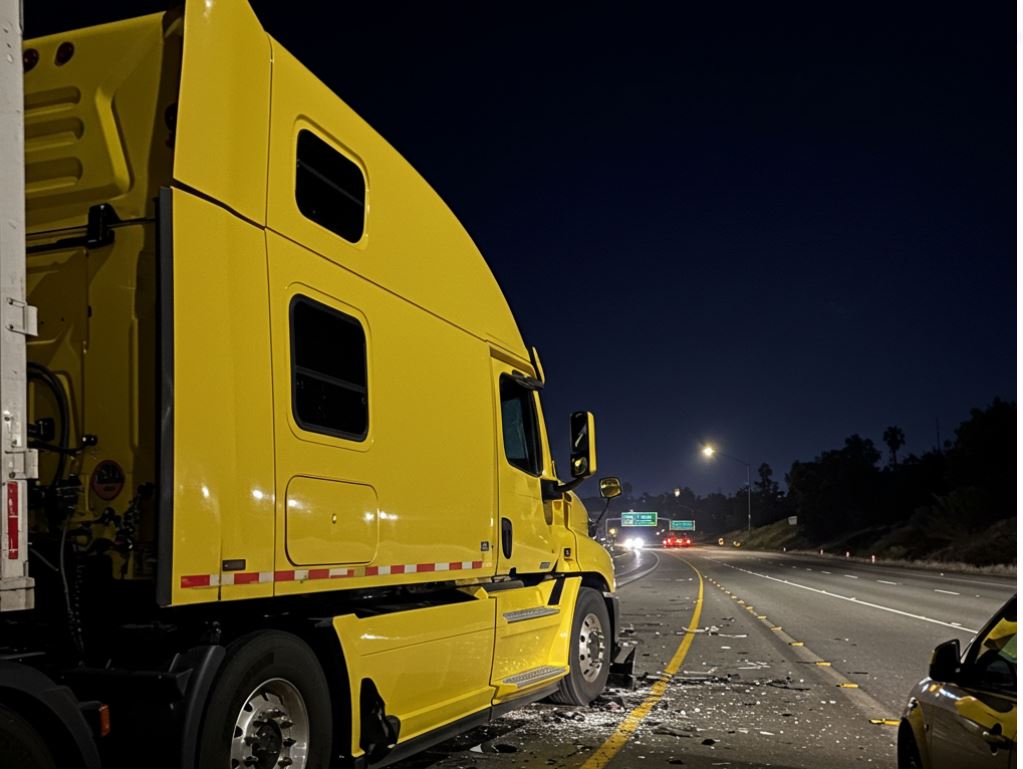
<point>995,738</point>
<point>506,537</point>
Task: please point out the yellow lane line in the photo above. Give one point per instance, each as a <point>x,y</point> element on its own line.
<point>632,721</point>
<point>864,702</point>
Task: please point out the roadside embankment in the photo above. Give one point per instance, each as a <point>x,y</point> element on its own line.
<point>937,546</point>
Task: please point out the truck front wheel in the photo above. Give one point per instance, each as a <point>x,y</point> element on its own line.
<point>270,707</point>
<point>589,651</point>
<point>21,745</point>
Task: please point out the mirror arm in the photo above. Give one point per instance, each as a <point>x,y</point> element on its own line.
<point>551,490</point>
<point>595,526</point>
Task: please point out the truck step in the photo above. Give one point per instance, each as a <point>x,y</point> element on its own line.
<point>521,615</point>
<point>530,677</point>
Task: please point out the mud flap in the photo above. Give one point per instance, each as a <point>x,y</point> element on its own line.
<point>623,659</point>
<point>623,666</point>
<point>379,730</point>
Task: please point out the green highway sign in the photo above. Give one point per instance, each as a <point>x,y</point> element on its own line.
<point>639,519</point>
<point>683,525</point>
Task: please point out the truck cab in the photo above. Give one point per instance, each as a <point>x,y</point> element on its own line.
<point>294,497</point>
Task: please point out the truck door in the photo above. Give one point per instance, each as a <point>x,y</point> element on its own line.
<point>525,541</point>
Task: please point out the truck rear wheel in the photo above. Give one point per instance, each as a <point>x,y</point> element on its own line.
<point>269,709</point>
<point>21,745</point>
<point>589,651</point>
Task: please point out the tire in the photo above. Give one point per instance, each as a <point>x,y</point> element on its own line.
<point>589,651</point>
<point>21,746</point>
<point>908,752</point>
<point>270,703</point>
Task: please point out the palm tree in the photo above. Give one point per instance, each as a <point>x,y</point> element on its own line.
<point>895,439</point>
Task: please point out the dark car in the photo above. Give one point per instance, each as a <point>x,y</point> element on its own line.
<point>963,715</point>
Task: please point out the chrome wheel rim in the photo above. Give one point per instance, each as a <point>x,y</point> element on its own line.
<point>272,728</point>
<point>592,648</point>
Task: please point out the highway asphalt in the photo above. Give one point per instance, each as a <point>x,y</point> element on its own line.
<point>748,659</point>
<point>878,623</point>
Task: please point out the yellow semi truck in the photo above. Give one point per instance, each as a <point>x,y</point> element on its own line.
<point>278,489</point>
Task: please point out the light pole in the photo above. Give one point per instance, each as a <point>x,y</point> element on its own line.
<point>709,452</point>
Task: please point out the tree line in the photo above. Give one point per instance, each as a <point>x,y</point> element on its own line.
<point>968,484</point>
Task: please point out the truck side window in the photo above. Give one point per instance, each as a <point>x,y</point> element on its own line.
<point>519,426</point>
<point>328,370</point>
<point>329,188</point>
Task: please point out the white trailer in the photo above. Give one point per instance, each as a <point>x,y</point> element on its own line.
<point>19,320</point>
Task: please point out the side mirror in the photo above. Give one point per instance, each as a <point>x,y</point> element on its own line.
<point>610,487</point>
<point>583,462</point>
<point>582,457</point>
<point>945,661</point>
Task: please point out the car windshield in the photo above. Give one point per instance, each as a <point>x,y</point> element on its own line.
<point>994,664</point>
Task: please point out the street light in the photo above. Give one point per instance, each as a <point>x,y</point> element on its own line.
<point>709,452</point>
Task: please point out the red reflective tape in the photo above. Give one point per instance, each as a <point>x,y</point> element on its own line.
<point>13,546</point>
<point>289,575</point>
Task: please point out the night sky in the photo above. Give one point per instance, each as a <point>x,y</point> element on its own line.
<point>767,228</point>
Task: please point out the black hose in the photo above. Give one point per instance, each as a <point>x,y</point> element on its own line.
<point>41,373</point>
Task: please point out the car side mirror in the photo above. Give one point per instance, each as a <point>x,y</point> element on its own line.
<point>583,456</point>
<point>610,487</point>
<point>945,661</point>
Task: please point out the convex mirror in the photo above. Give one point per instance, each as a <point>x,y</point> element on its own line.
<point>610,487</point>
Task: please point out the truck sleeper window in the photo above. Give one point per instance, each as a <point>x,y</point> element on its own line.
<point>329,188</point>
<point>519,426</point>
<point>328,370</point>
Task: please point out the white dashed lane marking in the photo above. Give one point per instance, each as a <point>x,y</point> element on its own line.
<point>946,592</point>
<point>853,599</point>
<point>886,582</point>
<point>850,576</point>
